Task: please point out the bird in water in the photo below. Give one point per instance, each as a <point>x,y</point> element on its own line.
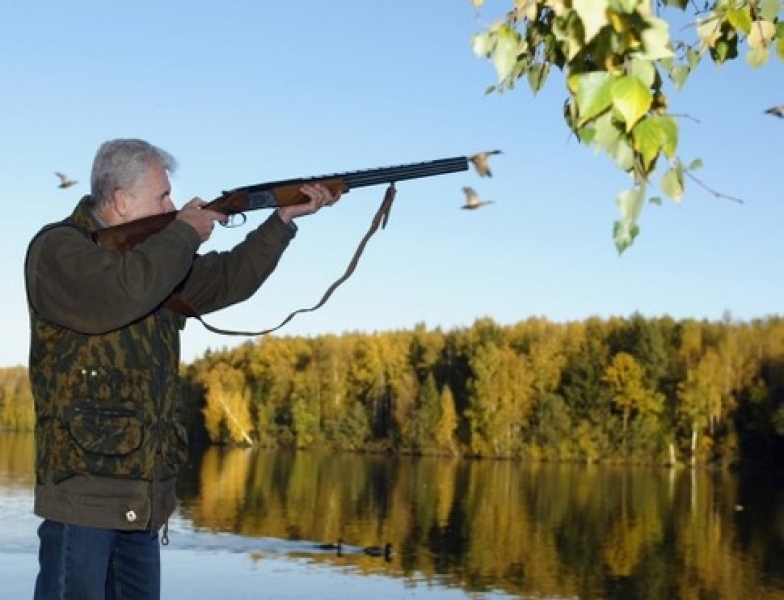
<point>386,551</point>
<point>65,181</point>
<point>472,199</point>
<point>776,111</point>
<point>337,547</point>
<point>480,162</point>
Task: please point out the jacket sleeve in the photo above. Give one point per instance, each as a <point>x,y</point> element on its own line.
<point>220,279</point>
<point>79,285</point>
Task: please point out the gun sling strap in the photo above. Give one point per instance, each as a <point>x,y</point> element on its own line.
<point>379,220</point>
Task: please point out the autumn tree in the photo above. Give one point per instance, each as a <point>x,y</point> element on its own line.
<point>620,63</point>
<point>379,378</point>
<point>500,400</point>
<point>227,405</point>
<point>699,401</point>
<point>586,403</point>
<point>305,410</point>
<point>425,416</point>
<point>631,395</point>
<point>447,422</point>
<point>328,368</point>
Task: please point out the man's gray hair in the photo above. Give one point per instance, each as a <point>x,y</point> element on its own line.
<point>122,164</point>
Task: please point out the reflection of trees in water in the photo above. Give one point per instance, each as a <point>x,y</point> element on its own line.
<point>17,458</point>
<point>528,529</point>
<point>586,531</point>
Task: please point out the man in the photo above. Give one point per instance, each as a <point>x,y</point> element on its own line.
<point>104,360</point>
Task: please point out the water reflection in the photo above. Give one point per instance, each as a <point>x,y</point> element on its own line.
<point>526,529</point>
<point>17,459</point>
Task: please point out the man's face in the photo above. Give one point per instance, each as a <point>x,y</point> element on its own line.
<point>151,196</point>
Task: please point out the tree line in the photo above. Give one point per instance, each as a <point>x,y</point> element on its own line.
<point>627,389</point>
<point>621,389</point>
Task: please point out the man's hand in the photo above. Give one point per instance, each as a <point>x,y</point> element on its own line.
<point>201,219</point>
<point>318,196</point>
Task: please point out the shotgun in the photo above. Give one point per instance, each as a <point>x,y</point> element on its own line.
<point>274,194</point>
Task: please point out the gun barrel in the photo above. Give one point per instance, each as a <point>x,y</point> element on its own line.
<point>368,177</point>
<point>403,172</point>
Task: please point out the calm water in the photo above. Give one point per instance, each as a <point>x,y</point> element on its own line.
<point>250,523</point>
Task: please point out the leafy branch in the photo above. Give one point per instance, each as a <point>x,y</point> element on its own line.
<point>618,57</point>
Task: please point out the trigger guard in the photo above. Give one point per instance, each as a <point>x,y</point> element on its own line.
<point>231,221</point>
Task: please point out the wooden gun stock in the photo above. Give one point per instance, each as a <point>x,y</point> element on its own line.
<point>275,194</point>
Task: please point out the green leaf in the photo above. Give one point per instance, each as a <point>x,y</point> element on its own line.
<point>631,98</point>
<point>629,203</point>
<point>569,30</point>
<point>623,236</point>
<point>757,57</point>
<point>644,70</point>
<point>586,135</point>
<point>656,40</point>
<point>648,138</point>
<point>593,94</point>
<point>505,52</point>
<point>725,49</point>
<point>654,134</point>
<point>593,14</point>
<point>537,75</point>
<point>672,183</point>
<point>610,138</point>
<point>678,75</point>
<point>708,30</point>
<point>740,18</point>
<point>770,10</point>
<point>624,155</point>
<point>607,134</point>
<point>761,34</point>
<point>693,58</point>
<point>483,43</point>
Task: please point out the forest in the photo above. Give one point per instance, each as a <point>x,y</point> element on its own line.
<point>626,390</point>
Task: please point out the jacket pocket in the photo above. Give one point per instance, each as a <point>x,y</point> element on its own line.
<point>102,439</point>
<point>102,429</point>
<point>105,430</point>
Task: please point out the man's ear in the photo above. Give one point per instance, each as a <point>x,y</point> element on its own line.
<point>120,200</point>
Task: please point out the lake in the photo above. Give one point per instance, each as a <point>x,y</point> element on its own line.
<point>251,523</point>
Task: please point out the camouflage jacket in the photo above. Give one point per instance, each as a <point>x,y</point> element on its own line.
<point>104,361</point>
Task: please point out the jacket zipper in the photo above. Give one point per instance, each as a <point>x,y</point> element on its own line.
<point>158,436</point>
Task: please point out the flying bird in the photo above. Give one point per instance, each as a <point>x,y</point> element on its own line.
<point>472,199</point>
<point>479,160</point>
<point>65,181</point>
<point>776,111</point>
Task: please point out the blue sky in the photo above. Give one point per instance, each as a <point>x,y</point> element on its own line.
<point>250,91</point>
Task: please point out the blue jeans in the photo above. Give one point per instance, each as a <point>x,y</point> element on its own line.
<point>86,563</point>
